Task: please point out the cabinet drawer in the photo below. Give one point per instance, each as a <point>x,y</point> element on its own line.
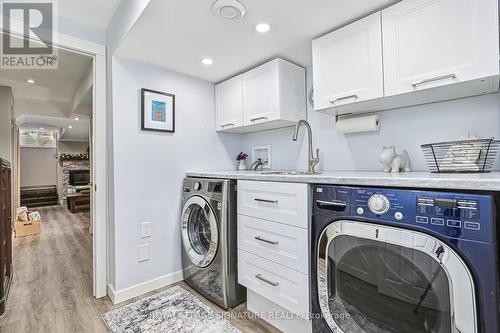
<point>279,284</point>
<point>279,202</point>
<point>283,244</point>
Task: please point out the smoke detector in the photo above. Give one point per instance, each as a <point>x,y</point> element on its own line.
<point>228,9</point>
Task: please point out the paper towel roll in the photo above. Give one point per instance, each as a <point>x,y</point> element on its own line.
<point>358,124</point>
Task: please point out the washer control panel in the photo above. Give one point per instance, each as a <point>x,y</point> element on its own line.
<point>454,215</point>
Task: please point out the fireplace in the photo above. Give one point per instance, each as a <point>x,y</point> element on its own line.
<point>79,177</point>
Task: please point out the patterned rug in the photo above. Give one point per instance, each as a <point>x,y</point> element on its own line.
<point>173,310</point>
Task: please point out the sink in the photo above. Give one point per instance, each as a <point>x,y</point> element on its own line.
<point>289,173</point>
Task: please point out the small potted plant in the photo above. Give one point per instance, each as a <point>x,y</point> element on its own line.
<point>242,158</point>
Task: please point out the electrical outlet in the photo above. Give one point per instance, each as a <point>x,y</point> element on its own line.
<point>145,229</point>
<point>143,253</point>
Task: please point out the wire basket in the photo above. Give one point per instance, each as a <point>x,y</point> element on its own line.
<point>462,156</point>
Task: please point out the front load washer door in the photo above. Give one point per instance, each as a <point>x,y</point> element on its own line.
<point>200,234</point>
<point>379,279</point>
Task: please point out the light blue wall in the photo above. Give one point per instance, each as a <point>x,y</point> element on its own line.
<point>406,128</point>
<point>149,167</point>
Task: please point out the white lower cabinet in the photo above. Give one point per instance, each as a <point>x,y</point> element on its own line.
<point>281,285</point>
<point>280,243</point>
<point>273,252</point>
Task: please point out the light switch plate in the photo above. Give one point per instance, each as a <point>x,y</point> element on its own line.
<point>143,253</point>
<point>145,229</point>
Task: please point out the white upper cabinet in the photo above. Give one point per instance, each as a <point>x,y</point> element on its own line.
<point>229,103</point>
<point>413,52</point>
<point>347,64</point>
<point>432,43</point>
<point>261,94</point>
<point>272,95</point>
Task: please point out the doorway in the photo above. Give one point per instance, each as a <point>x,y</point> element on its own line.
<point>97,137</point>
<point>52,111</point>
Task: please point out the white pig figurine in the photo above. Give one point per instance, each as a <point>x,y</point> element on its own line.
<point>393,162</point>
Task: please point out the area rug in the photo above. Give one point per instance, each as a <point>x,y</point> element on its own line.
<point>173,310</point>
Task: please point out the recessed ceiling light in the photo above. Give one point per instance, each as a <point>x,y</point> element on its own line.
<point>30,81</point>
<point>262,27</point>
<point>76,118</point>
<point>70,127</point>
<point>207,61</point>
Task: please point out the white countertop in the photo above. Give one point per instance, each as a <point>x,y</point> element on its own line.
<point>425,180</point>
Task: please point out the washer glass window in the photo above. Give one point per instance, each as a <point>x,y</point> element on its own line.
<point>200,234</point>
<point>378,287</point>
<point>199,230</point>
<point>380,279</point>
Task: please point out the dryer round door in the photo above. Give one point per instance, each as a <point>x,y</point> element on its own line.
<point>200,234</point>
<point>374,278</point>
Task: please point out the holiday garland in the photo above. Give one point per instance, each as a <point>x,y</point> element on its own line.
<point>73,157</point>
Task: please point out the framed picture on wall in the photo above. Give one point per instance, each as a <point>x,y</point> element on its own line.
<point>158,111</point>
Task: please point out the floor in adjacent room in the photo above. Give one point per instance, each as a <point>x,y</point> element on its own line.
<point>52,286</point>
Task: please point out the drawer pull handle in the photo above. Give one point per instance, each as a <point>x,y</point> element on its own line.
<point>227,125</point>
<point>260,277</point>
<point>344,98</point>
<point>437,78</point>
<point>266,240</point>
<point>266,201</point>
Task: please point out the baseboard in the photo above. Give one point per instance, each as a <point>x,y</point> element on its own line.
<point>118,296</point>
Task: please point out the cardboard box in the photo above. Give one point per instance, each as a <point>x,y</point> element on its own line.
<point>30,228</point>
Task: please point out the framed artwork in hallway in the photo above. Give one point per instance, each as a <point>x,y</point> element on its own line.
<point>157,111</point>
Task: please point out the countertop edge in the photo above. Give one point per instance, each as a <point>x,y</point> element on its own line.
<point>384,180</point>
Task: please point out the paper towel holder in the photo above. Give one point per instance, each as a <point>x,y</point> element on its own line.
<point>357,123</point>
<point>355,115</point>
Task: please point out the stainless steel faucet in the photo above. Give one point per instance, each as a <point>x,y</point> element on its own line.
<point>312,160</point>
<point>257,164</point>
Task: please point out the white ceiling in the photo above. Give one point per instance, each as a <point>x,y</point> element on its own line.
<point>34,104</point>
<point>95,13</point>
<point>53,85</point>
<point>78,132</point>
<point>175,34</point>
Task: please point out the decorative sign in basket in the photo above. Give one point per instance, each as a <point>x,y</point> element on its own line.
<point>467,156</point>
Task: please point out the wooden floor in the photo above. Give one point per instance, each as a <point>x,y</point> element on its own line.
<point>52,286</point>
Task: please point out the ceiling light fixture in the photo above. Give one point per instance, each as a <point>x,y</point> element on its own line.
<point>262,28</point>
<point>207,61</point>
<point>76,118</point>
<point>42,128</point>
<point>70,127</point>
<point>30,81</point>
<point>230,10</point>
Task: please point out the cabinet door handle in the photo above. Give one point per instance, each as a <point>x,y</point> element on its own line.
<point>266,240</point>
<point>266,201</point>
<point>433,79</point>
<point>226,125</point>
<point>343,98</point>
<point>258,118</point>
<point>260,277</point>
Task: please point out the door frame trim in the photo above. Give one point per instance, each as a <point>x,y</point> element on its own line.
<point>463,302</point>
